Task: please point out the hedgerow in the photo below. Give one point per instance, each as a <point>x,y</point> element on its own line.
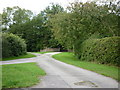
<point>104,51</point>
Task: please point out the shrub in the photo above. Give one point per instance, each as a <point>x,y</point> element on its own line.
<point>104,51</point>
<point>12,45</point>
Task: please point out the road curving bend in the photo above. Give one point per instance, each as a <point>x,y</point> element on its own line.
<point>62,75</point>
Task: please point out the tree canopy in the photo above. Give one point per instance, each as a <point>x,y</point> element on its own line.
<point>34,29</point>
<point>15,16</point>
<point>85,20</point>
<point>56,26</point>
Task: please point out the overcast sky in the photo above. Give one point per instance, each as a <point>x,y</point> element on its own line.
<point>34,5</point>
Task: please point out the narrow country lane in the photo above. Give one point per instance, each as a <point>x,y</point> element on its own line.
<point>62,75</point>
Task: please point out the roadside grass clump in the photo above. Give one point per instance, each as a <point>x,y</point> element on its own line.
<point>28,55</point>
<point>107,70</point>
<point>12,45</point>
<point>20,75</point>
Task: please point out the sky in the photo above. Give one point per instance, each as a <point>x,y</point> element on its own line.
<point>34,5</point>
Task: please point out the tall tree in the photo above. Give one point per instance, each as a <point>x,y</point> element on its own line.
<point>15,15</point>
<point>49,13</point>
<point>52,10</point>
<point>34,32</point>
<point>83,20</point>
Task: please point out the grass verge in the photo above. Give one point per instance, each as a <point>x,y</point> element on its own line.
<point>28,55</point>
<point>42,52</point>
<point>20,75</point>
<point>110,71</point>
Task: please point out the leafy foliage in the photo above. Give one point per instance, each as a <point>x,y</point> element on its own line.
<point>34,32</point>
<point>103,50</point>
<point>49,13</point>
<point>89,22</point>
<point>15,16</point>
<point>34,29</point>
<point>82,21</point>
<point>12,45</point>
<point>55,27</point>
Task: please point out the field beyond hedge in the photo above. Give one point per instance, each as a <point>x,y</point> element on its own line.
<point>110,71</point>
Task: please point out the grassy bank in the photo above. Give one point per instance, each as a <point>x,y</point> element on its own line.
<point>110,71</point>
<point>28,55</point>
<point>20,75</point>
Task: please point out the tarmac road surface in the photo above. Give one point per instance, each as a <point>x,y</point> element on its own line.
<point>62,75</point>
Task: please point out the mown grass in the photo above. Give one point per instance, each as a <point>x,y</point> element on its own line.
<point>20,75</point>
<point>43,52</point>
<point>28,55</point>
<point>110,71</point>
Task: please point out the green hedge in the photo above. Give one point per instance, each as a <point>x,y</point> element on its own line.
<point>12,45</point>
<point>104,51</point>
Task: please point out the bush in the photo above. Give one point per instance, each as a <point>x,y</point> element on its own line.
<point>104,51</point>
<point>12,45</point>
